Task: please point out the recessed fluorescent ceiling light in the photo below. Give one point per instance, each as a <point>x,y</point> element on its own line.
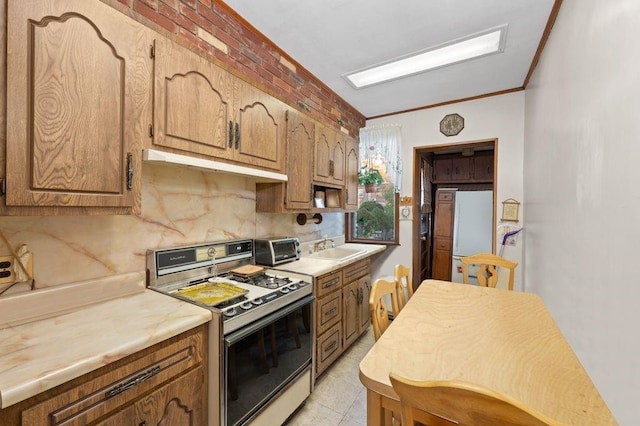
<point>486,43</point>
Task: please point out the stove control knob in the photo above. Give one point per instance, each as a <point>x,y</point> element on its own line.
<point>284,290</point>
<point>257,301</point>
<point>230,312</point>
<point>293,286</point>
<point>246,305</point>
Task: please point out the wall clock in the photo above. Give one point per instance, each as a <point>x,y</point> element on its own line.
<point>451,124</point>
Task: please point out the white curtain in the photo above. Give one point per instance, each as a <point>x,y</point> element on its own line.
<point>380,149</point>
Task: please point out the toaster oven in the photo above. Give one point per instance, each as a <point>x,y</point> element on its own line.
<point>274,251</point>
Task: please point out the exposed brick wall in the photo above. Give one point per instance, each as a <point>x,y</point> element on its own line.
<point>210,28</point>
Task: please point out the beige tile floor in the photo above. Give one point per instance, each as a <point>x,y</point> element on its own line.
<point>339,399</point>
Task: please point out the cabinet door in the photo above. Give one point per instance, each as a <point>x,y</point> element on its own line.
<point>365,291</point>
<point>350,311</point>
<point>193,110</point>
<point>483,168</point>
<point>260,128</point>
<point>323,153</point>
<point>300,139</point>
<point>178,403</point>
<point>351,178</point>
<point>442,169</point>
<point>338,155</point>
<point>78,98</point>
<point>460,170</point>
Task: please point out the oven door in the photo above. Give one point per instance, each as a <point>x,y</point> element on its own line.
<point>262,358</point>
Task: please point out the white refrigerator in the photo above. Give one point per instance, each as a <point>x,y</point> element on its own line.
<point>472,229</point>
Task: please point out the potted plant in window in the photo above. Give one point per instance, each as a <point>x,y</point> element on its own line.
<point>370,178</point>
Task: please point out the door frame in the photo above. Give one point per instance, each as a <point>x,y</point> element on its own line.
<point>453,148</point>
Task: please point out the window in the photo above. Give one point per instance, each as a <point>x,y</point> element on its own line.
<point>379,180</point>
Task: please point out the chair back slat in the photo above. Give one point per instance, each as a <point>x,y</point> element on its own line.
<point>379,313</point>
<point>402,276</point>
<point>455,402</point>
<point>488,268</point>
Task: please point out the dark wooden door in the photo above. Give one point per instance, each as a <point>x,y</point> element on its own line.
<point>443,234</point>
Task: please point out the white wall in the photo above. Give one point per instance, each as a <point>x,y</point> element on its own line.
<point>582,191</point>
<point>500,117</point>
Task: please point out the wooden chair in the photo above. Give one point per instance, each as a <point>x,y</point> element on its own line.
<point>402,276</point>
<point>487,268</point>
<point>379,314</point>
<point>437,403</point>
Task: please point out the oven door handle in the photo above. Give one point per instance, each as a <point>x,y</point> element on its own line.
<point>240,334</point>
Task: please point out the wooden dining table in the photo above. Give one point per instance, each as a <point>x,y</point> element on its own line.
<point>503,340</point>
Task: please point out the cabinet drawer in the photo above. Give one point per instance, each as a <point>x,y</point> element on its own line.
<point>442,244</point>
<point>88,398</point>
<point>357,270</point>
<point>329,312</point>
<point>328,283</point>
<point>445,196</point>
<point>328,348</point>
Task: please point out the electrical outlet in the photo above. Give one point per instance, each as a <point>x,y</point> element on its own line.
<point>6,270</point>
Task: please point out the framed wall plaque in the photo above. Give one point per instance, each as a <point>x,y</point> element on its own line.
<point>510,209</point>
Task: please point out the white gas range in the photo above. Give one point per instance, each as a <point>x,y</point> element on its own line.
<point>265,318</point>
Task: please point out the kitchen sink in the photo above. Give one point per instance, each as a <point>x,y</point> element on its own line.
<point>337,253</point>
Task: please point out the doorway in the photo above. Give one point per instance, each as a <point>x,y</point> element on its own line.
<point>468,166</point>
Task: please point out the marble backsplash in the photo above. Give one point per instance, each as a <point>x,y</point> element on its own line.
<point>180,206</point>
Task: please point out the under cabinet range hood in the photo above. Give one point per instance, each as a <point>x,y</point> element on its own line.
<point>177,160</point>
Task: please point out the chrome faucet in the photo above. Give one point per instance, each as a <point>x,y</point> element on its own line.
<point>322,245</point>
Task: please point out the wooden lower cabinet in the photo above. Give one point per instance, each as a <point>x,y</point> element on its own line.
<point>342,312</point>
<point>443,234</point>
<point>178,403</point>
<point>355,301</point>
<point>162,385</point>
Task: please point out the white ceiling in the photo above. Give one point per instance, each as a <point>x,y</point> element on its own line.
<point>334,37</point>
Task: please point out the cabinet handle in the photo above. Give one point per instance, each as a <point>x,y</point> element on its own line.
<point>230,134</point>
<point>331,346</point>
<point>142,423</point>
<point>237,135</point>
<point>129,171</point>
<point>132,382</point>
<point>330,283</point>
<point>331,311</point>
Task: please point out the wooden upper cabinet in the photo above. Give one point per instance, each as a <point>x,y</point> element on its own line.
<point>330,150</point>
<point>300,135</point>
<point>260,129</point>
<point>458,169</point>
<point>78,104</point>
<point>352,167</point>
<point>193,102</point>
<point>323,151</point>
<point>202,109</point>
<point>339,154</point>
<point>483,167</point>
<point>442,169</point>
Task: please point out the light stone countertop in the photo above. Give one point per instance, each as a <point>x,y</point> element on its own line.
<point>315,266</point>
<point>39,355</point>
<point>52,336</point>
